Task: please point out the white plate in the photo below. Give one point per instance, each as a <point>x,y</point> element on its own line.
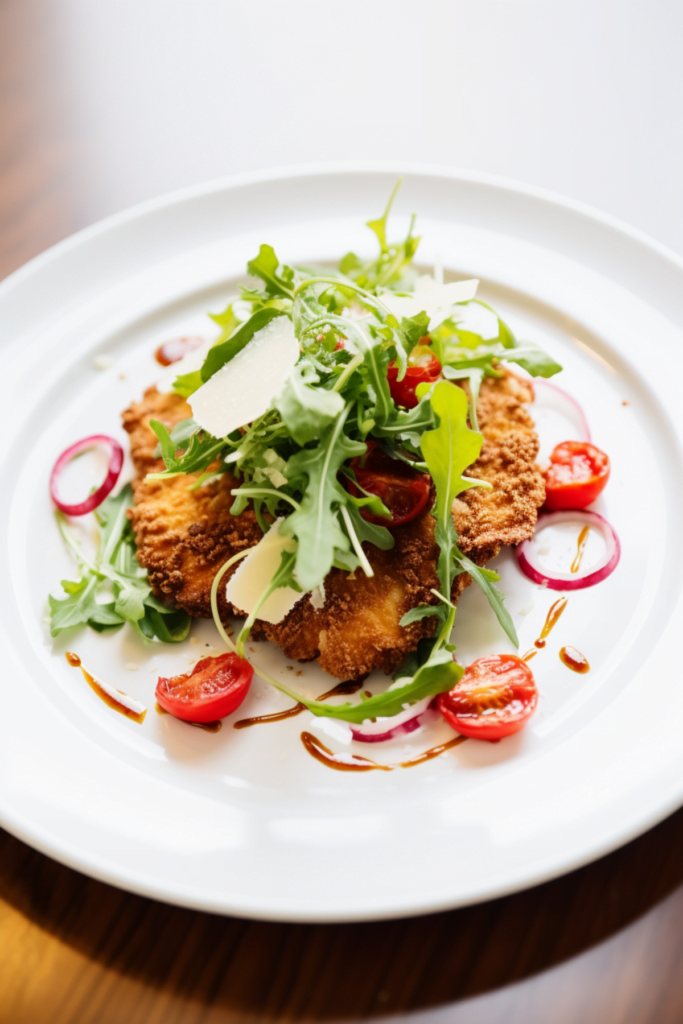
<point>245,821</point>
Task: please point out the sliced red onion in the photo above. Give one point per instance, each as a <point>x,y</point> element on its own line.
<point>97,497</point>
<point>556,398</point>
<point>389,728</point>
<point>571,581</point>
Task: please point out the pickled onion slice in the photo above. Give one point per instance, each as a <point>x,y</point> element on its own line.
<point>383,729</point>
<point>528,563</point>
<point>97,497</point>
<point>552,397</point>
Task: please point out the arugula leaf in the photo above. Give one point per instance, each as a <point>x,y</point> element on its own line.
<point>440,673</point>
<point>316,524</point>
<point>169,627</point>
<point>376,360</point>
<point>408,425</point>
<point>305,410</point>
<point>393,261</point>
<point>227,321</point>
<point>115,564</point>
<point>221,354</point>
<point>448,451</point>
<point>474,376</point>
<point>186,384</point>
<point>534,360</point>
<point>380,536</point>
<point>423,611</point>
<point>199,455</point>
<point>485,578</point>
<point>79,607</point>
<point>413,329</point>
<point>265,266</point>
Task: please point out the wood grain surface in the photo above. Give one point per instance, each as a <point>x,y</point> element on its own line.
<point>600,946</point>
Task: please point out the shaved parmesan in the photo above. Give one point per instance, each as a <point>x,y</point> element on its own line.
<point>434,299</point>
<point>188,364</point>
<point>255,573</point>
<point>243,389</point>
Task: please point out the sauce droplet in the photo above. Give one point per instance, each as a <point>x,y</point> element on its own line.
<point>355,763</point>
<point>580,548</point>
<point>574,660</point>
<point>174,350</point>
<point>111,702</point>
<point>530,654</point>
<point>554,612</point>
<point>279,716</point>
<point>340,762</point>
<point>343,689</point>
<point>348,687</point>
<point>207,726</point>
<point>433,752</point>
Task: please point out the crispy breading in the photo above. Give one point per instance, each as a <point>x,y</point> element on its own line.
<point>357,630</point>
<point>184,537</point>
<point>485,520</point>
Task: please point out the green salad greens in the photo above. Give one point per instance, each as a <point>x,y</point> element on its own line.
<point>292,460</point>
<point>113,588</point>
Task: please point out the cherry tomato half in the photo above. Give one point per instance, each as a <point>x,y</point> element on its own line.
<point>404,491</point>
<point>494,698</point>
<point>577,475</point>
<point>423,368</point>
<point>213,689</point>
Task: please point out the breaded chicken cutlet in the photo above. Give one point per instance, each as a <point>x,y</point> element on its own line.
<point>184,536</point>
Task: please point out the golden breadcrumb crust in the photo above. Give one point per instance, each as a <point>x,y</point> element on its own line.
<point>184,536</point>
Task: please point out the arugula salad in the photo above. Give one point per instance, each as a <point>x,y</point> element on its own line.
<point>323,381</point>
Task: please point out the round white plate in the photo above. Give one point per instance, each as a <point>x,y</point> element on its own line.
<point>246,822</point>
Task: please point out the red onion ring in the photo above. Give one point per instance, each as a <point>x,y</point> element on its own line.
<point>571,581</point>
<point>565,404</point>
<point>389,728</point>
<point>98,496</point>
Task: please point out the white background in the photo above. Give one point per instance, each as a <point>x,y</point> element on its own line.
<point>584,98</point>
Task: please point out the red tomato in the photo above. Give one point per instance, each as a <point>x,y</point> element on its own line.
<point>404,491</point>
<point>172,351</point>
<point>212,690</point>
<point>577,475</point>
<point>423,368</point>
<point>494,698</point>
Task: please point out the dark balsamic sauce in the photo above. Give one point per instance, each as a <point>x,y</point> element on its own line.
<point>574,660</point>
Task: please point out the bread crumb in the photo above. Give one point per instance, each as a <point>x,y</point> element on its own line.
<point>131,666</point>
<point>102,362</point>
<point>299,673</point>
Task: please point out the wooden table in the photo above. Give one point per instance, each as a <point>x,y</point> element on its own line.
<point>601,945</point>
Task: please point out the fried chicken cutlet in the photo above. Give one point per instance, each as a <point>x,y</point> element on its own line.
<point>184,536</point>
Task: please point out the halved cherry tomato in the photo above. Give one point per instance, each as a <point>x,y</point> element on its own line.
<point>423,368</point>
<point>577,475</point>
<point>494,698</point>
<point>404,491</point>
<point>212,690</point>
<point>172,351</point>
